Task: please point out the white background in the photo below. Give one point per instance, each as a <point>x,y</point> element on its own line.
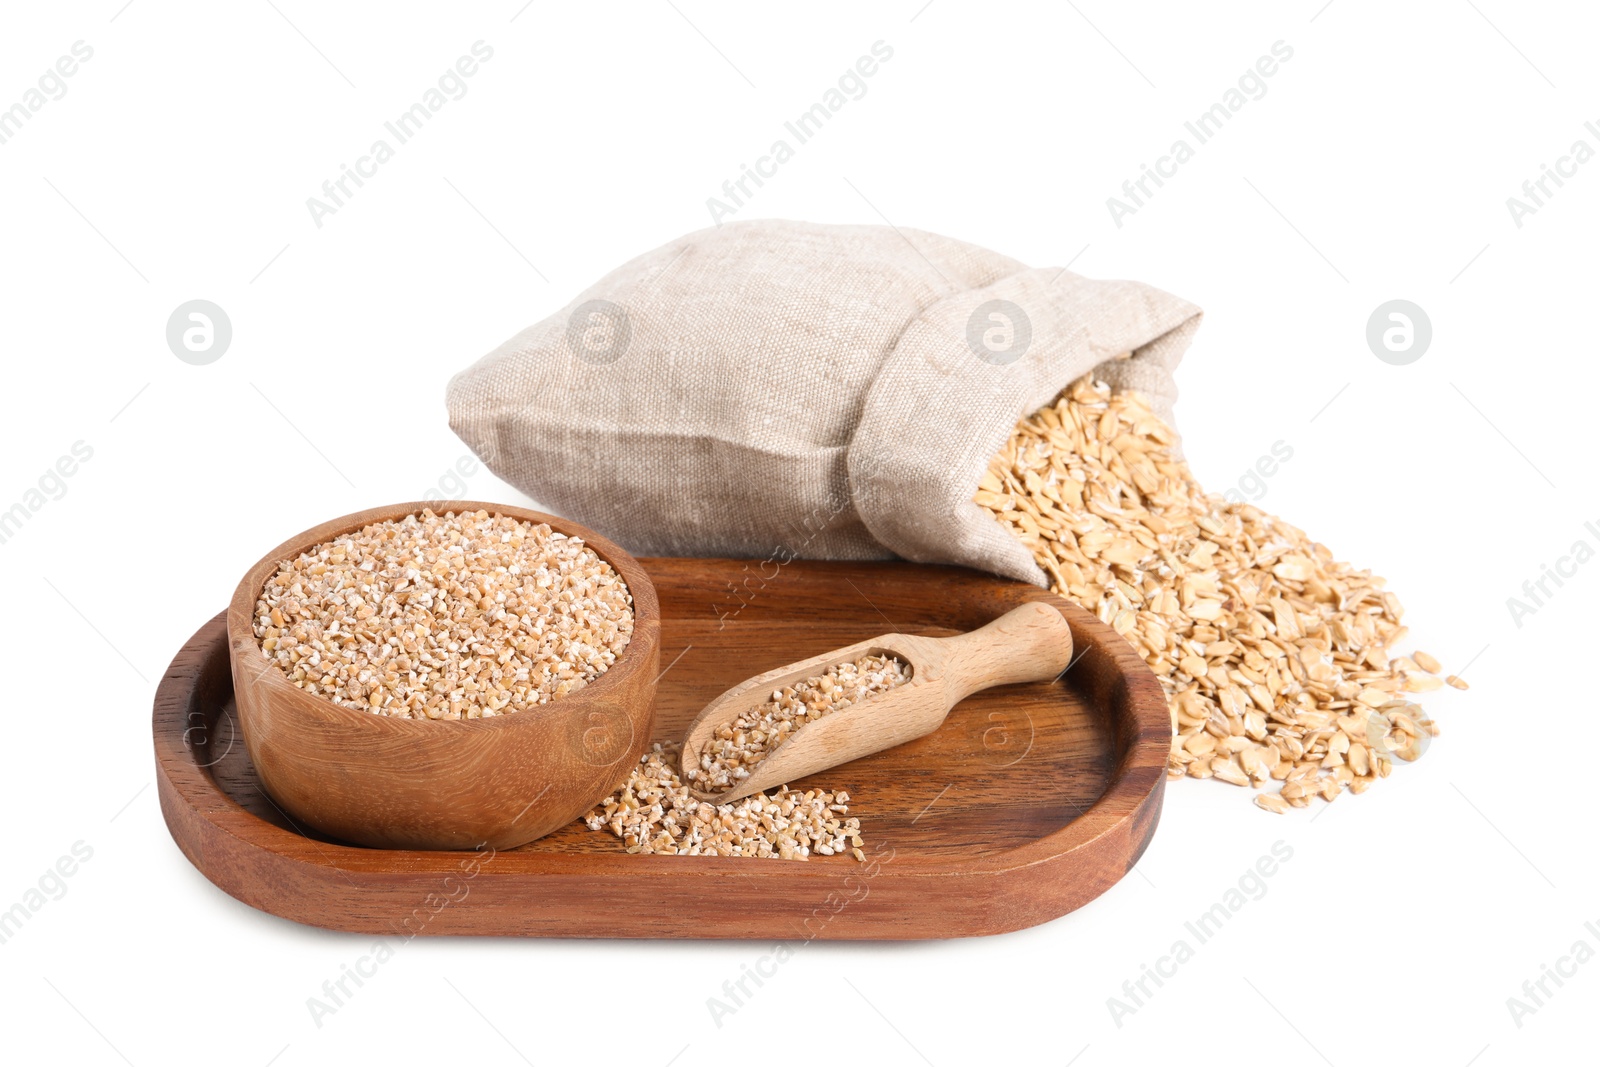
<point>1377,166</point>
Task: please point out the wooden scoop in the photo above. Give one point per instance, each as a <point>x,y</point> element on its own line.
<point>1032,643</point>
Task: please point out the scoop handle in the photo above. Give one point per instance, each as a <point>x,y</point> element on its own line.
<point>1031,643</point>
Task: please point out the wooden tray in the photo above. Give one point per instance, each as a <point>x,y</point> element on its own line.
<point>1030,801</point>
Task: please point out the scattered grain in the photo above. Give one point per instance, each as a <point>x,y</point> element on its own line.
<point>1273,655</point>
<point>1273,803</point>
<point>654,813</point>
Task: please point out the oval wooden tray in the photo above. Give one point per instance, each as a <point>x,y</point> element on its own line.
<point>1030,800</point>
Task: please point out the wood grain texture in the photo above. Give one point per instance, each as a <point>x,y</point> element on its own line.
<point>423,783</point>
<point>1030,643</point>
<point>1030,800</point>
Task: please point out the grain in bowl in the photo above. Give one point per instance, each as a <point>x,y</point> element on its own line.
<point>390,781</point>
<point>455,616</point>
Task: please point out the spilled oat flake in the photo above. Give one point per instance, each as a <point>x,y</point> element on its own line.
<point>1273,655</point>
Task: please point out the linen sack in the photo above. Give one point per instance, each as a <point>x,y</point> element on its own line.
<point>772,390</point>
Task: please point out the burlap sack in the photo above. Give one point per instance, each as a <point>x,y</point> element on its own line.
<point>772,390</point>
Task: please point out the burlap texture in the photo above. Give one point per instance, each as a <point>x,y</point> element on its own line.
<point>773,390</point>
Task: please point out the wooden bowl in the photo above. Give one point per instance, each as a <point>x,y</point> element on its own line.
<point>443,784</point>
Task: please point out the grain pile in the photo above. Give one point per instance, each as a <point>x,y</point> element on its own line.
<point>654,813</point>
<point>445,616</point>
<point>736,747</point>
<point>1274,656</point>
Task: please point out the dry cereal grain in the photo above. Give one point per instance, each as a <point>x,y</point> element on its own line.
<point>1261,639</point>
<point>654,813</point>
<point>453,616</point>
<point>738,746</point>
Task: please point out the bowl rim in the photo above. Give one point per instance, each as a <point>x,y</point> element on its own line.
<point>241,615</point>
